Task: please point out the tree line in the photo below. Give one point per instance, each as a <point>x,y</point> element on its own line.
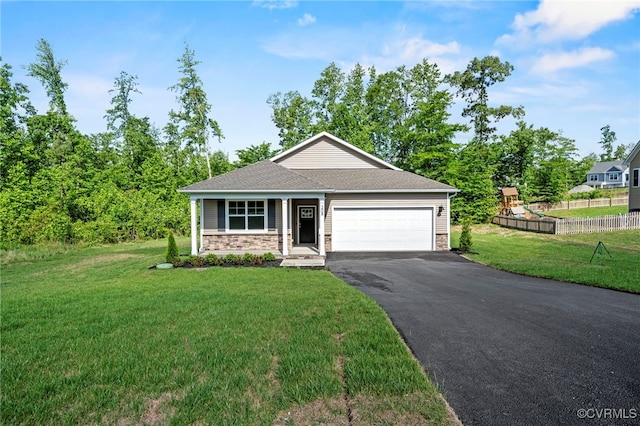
<point>120,185</point>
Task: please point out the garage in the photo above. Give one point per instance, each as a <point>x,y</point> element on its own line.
<point>382,229</point>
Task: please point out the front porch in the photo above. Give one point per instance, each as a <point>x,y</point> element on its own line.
<point>290,227</point>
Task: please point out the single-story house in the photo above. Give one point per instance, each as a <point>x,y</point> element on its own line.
<point>608,174</point>
<point>633,163</point>
<point>324,194</point>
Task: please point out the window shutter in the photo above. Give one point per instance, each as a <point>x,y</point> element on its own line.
<point>271,219</point>
<point>221,215</point>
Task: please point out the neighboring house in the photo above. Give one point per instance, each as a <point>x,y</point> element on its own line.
<point>633,163</point>
<point>323,194</point>
<point>608,174</point>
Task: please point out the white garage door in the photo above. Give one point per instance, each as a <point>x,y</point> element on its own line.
<point>382,229</point>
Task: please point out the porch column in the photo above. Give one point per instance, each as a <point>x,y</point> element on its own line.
<point>201,223</point>
<point>194,227</point>
<point>321,226</point>
<point>285,227</point>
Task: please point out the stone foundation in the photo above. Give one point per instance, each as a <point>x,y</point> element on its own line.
<point>327,243</point>
<point>442,242</point>
<point>264,241</point>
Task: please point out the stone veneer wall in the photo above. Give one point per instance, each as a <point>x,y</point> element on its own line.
<point>442,242</point>
<point>223,241</point>
<point>327,243</point>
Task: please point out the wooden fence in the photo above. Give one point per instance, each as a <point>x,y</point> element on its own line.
<point>576,225</point>
<point>579,204</point>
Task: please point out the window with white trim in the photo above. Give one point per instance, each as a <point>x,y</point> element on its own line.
<point>593,178</point>
<point>247,215</point>
<point>636,178</point>
<point>613,176</point>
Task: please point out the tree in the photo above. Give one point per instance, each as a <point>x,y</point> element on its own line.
<point>192,122</point>
<point>607,140</point>
<point>473,87</point>
<point>15,109</point>
<point>253,154</point>
<point>118,115</point>
<point>47,72</point>
<point>292,115</point>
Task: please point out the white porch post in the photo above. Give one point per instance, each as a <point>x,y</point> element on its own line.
<point>321,226</point>
<point>201,223</point>
<point>285,229</point>
<point>194,227</point>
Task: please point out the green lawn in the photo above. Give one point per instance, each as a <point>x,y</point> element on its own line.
<point>590,212</point>
<point>561,257</point>
<point>91,336</point>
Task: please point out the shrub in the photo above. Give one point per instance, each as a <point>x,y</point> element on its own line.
<point>466,245</point>
<point>268,257</point>
<point>247,258</point>
<point>172,248</point>
<point>257,260</point>
<point>232,258</point>
<point>177,262</point>
<point>198,261</point>
<point>211,258</point>
<point>190,259</point>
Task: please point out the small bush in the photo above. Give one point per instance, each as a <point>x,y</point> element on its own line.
<point>232,258</point>
<point>219,261</point>
<point>268,257</point>
<point>177,262</point>
<point>247,258</point>
<point>172,248</point>
<point>198,261</point>
<point>466,245</point>
<point>257,260</point>
<point>211,258</point>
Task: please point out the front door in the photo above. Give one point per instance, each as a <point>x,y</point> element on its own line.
<point>306,224</point>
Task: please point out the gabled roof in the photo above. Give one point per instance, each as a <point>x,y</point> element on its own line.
<point>606,166</point>
<point>509,191</point>
<point>635,151</point>
<point>345,145</point>
<point>268,176</point>
<point>259,177</point>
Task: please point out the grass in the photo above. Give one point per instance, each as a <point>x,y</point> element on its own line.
<point>588,212</point>
<point>92,336</point>
<point>561,257</point>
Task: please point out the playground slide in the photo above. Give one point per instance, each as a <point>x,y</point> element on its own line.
<point>534,212</point>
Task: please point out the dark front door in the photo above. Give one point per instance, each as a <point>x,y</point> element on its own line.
<point>307,224</point>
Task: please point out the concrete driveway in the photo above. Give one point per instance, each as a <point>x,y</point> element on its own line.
<point>508,349</point>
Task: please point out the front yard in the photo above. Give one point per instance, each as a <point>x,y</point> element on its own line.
<point>561,257</point>
<point>93,337</point>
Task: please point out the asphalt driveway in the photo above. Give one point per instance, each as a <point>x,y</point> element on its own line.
<point>506,349</point>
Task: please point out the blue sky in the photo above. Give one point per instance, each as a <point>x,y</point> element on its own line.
<point>577,63</point>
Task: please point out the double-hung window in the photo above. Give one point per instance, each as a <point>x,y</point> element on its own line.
<point>613,176</point>
<point>593,178</point>
<point>247,215</point>
<point>636,178</point>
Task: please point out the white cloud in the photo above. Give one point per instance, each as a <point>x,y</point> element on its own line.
<point>552,62</point>
<point>306,19</point>
<point>367,46</point>
<point>275,4</point>
<point>566,20</point>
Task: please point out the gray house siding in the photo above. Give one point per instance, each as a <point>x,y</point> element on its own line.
<point>634,187</point>
<point>327,154</point>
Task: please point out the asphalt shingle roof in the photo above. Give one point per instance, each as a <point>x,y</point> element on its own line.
<point>605,166</point>
<point>262,176</point>
<point>372,180</point>
<point>269,176</point>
